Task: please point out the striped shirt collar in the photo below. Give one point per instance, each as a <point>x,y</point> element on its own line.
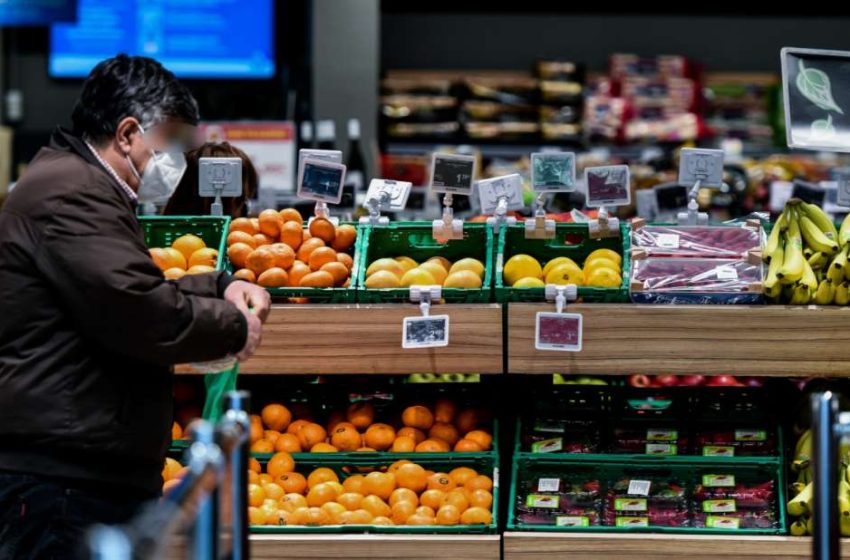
<point>127,190</point>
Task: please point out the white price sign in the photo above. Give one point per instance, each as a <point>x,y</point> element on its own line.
<point>425,332</point>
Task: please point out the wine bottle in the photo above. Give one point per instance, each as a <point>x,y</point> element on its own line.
<point>326,135</point>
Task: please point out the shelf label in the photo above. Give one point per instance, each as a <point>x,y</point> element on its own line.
<point>667,241</point>
<point>726,273</point>
<point>718,480</point>
<point>639,487</point>
<point>718,451</point>
<point>661,449</point>
<point>750,435</point>
<point>548,484</point>
<point>542,501</point>
<point>425,332</point>
<point>719,506</point>
<point>558,331</point>
<point>631,522</point>
<point>718,522</point>
<point>630,504</point>
<point>552,445</point>
<point>572,521</point>
<point>662,435</point>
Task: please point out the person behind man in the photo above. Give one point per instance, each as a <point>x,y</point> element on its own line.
<point>90,328</point>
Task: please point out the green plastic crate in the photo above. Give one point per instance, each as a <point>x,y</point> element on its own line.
<point>161,231</point>
<point>415,240</point>
<point>320,295</point>
<point>606,468</point>
<point>512,241</point>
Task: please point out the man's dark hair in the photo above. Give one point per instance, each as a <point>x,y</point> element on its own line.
<point>130,86</point>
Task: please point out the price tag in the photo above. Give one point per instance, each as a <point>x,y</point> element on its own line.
<point>542,501</point>
<point>553,172</point>
<point>718,522</point>
<point>661,449</point>
<point>220,176</point>
<point>552,445</point>
<point>718,451</point>
<point>548,484</point>
<point>392,195</point>
<point>321,180</point>
<point>726,273</point>
<point>558,331</point>
<point>667,241</point>
<point>699,164</point>
<point>631,522</point>
<point>630,504</point>
<point>718,480</point>
<point>425,332</point>
<point>452,173</point>
<point>572,521</point>
<point>607,186</point>
<point>843,189</point>
<point>639,487</point>
<point>508,187</point>
<point>750,435</point>
<point>719,506</point>
<point>662,435</point>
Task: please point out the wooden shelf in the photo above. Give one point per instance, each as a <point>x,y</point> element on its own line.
<point>586,546</point>
<point>712,339</point>
<point>364,339</point>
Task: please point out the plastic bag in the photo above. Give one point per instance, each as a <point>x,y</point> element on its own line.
<point>696,241</point>
<point>691,280</point>
<point>218,385</point>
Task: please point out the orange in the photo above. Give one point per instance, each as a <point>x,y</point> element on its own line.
<point>315,517</point>
<point>284,255</point>
<point>400,511</point>
<point>254,465</point>
<point>270,223</point>
<point>417,417</point>
<point>274,277</point>
<point>444,262</point>
<point>467,446</point>
<point>321,494</point>
<point>246,275</point>
<point>292,482</point>
<point>345,437</point>
<point>298,271</point>
<point>292,501</point>
<point>427,511</point>
<point>271,435</point>
<point>310,434</point>
<point>169,485</point>
<point>350,500</point>
<point>345,236</point>
<point>253,478</point>
<point>295,426</point>
<point>170,469</point>
<point>320,475</point>
<point>360,414</point>
<point>264,478</point>
<point>456,498</point>
<point>323,447</point>
<point>480,482</point>
<point>305,235</point>
<point>379,484</point>
<point>241,237</point>
<point>480,437</point>
<point>379,436</point>
<point>288,443</point>
<point>256,428</point>
<point>188,244</point>
<point>417,519</point>
<point>262,446</point>
<point>168,258</point>
<point>403,444</point>
<point>397,465</point>
<point>307,247</point>
<point>244,225</point>
<point>291,234</point>
<point>279,464</point>
<point>418,436</point>
<point>238,254</point>
<point>174,273</point>
<point>273,491</point>
<point>181,473</point>
<point>476,516</point>
<point>412,477</point>
<point>176,431</point>
<point>298,516</point>
<point>441,481</point>
<point>320,257</point>
<point>381,520</point>
<point>461,474</point>
<point>335,418</point>
<point>432,446</point>
<point>360,517</point>
<point>255,223</point>
<point>319,279</point>
<point>262,240</point>
<point>480,498</point>
<point>276,417</point>
<point>445,411</point>
<point>256,516</point>
<point>337,270</point>
<point>256,495</point>
<point>448,515</point>
<point>376,506</point>
<point>200,269</point>
<point>354,483</point>
<point>403,495</point>
<point>205,256</point>
<point>432,498</point>
<point>291,215</point>
<point>467,420</point>
<point>323,229</point>
<point>446,432</point>
<point>334,510</point>
<point>260,260</point>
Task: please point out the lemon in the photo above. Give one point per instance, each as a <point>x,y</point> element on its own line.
<point>436,270</point>
<point>417,277</point>
<point>555,262</point>
<point>521,266</point>
<point>389,265</point>
<point>600,262</point>
<point>406,263</point>
<point>474,265</point>
<point>383,279</point>
<point>603,277</point>
<point>565,274</point>
<point>529,282</point>
<point>462,279</point>
<point>444,262</point>
<point>606,253</point>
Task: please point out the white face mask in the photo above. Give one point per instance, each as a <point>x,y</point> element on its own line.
<point>161,175</point>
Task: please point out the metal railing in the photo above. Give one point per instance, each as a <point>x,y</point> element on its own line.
<point>210,501</point>
<point>828,427</point>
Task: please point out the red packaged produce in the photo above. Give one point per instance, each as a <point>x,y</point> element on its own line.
<point>745,495</point>
<point>727,242</point>
<point>735,442</point>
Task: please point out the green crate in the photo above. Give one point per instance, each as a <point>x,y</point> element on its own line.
<point>512,241</point>
<point>415,240</point>
<point>689,470</point>
<point>320,295</point>
<point>161,231</point>
<point>345,468</point>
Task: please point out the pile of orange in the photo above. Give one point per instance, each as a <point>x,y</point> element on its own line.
<point>274,250</point>
<point>403,494</point>
<point>172,473</point>
<point>421,429</point>
<point>188,254</point>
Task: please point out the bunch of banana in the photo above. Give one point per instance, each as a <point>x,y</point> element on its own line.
<point>807,257</point>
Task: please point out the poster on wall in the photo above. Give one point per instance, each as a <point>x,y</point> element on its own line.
<point>37,12</point>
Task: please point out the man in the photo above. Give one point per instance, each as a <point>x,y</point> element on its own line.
<point>89,327</point>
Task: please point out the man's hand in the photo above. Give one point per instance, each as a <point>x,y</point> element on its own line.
<point>245,296</point>
<point>255,336</point>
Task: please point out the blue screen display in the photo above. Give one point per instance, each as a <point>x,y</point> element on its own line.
<point>36,12</point>
<point>192,38</point>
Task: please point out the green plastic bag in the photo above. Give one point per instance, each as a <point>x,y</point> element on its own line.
<point>218,385</point>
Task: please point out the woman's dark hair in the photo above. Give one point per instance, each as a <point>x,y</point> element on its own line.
<point>130,86</point>
<point>186,202</point>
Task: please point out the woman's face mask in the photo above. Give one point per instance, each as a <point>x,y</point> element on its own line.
<point>161,175</point>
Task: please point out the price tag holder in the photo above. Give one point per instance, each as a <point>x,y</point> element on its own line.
<point>842,183</point>
<point>450,174</point>
<point>559,331</point>
<point>703,165</point>
<point>549,485</point>
<point>321,180</point>
<point>500,195</point>
<point>639,487</point>
<point>385,194</point>
<point>553,172</point>
<point>334,156</point>
<point>606,186</point>
<point>218,177</point>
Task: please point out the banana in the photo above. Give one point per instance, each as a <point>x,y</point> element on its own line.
<point>776,260</point>
<point>799,504</point>
<point>817,260</point>
<point>803,453</point>
<point>798,527</point>
<point>797,487</point>
<point>825,292</point>
<point>844,231</point>
<point>847,266</point>
<point>837,268</point>
<point>809,279</point>
<point>787,293</point>
<point>810,526</point>
<point>802,295</point>
<point>815,238</point>
<point>842,293</point>
<point>807,253</point>
<point>844,525</point>
<point>820,219</point>
<point>801,441</point>
<point>773,239</point>
<point>774,291</point>
<point>792,268</point>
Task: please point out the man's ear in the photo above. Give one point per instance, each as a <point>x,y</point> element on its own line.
<point>127,127</point>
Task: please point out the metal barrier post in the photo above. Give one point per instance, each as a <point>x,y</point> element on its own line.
<point>237,404</point>
<point>205,531</point>
<point>826,544</point>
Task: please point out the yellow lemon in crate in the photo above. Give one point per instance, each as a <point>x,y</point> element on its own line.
<point>417,277</point>
<point>600,262</point>
<point>389,265</point>
<point>521,266</point>
<point>605,253</point>
<point>444,262</point>
<point>474,265</point>
<point>529,282</point>
<point>462,279</point>
<point>555,262</point>
<point>205,256</point>
<point>383,279</point>
<point>603,277</point>
<point>436,270</point>
<point>406,263</point>
<point>565,274</point>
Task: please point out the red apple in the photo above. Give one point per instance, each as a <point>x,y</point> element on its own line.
<point>691,380</point>
<point>639,380</point>
<point>666,380</point>
<point>723,381</point>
